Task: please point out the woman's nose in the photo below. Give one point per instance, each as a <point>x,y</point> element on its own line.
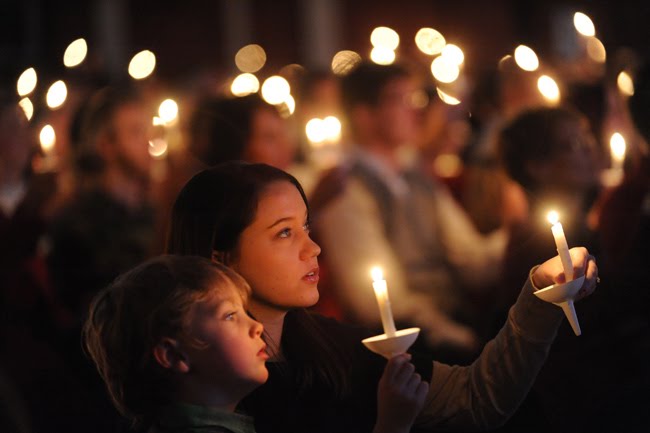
<point>310,249</point>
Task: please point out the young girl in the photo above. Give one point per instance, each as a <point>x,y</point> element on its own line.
<point>255,219</point>
<point>177,350</point>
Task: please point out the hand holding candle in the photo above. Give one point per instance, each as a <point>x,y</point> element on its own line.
<point>561,244</point>
<point>381,292</point>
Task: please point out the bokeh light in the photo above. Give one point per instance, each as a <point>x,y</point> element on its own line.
<point>27,82</point>
<point>275,90</point>
<point>444,70</point>
<point>549,89</point>
<point>315,131</point>
<point>158,148</point>
<point>526,58</point>
<point>384,37</point>
<point>617,146</point>
<point>47,138</point>
<point>430,41</point>
<point>75,53</point>
<point>447,98</point>
<point>344,61</point>
<point>596,50</point>
<point>250,58</point>
<point>142,65</point>
<point>168,111</point>
<point>625,83</point>
<point>382,55</point>
<point>27,106</point>
<point>244,84</point>
<point>56,94</point>
<point>583,24</point>
<point>453,53</point>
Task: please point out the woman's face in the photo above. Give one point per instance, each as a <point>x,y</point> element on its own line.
<point>275,253</point>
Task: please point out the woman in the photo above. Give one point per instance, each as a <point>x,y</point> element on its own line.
<point>255,219</point>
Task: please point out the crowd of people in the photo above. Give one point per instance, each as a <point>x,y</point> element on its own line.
<point>226,285</point>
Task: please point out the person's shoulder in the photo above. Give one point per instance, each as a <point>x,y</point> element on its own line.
<point>336,328</point>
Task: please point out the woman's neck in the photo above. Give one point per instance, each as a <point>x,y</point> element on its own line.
<point>273,320</point>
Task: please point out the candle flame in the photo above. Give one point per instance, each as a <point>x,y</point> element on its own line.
<point>377,273</point>
<point>553,217</point>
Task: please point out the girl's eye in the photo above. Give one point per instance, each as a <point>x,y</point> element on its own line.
<point>285,233</point>
<point>230,316</point>
<point>307,227</point>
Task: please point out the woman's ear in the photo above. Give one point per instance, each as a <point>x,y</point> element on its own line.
<point>220,257</point>
<point>168,354</point>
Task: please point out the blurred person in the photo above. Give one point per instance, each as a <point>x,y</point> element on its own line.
<point>390,213</point>
<point>552,154</point>
<point>104,229</point>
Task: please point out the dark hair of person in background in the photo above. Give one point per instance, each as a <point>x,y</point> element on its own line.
<point>141,307</point>
<point>209,216</point>
<point>519,146</point>
<point>220,127</point>
<point>361,84</point>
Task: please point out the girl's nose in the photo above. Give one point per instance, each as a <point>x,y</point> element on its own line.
<point>256,328</point>
<point>310,249</point>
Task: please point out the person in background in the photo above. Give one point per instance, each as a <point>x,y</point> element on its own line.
<point>390,213</point>
<point>177,350</point>
<point>255,219</point>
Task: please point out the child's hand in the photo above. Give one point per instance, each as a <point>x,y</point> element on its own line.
<point>400,396</point>
<point>551,271</point>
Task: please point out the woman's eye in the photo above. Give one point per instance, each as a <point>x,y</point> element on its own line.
<point>307,227</point>
<point>285,233</point>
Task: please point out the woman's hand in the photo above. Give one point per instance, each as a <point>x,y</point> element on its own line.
<point>551,272</point>
<point>400,396</point>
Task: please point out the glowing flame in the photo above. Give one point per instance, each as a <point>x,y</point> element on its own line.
<point>526,58</point>
<point>377,273</point>
<point>142,65</point>
<point>617,145</point>
<point>625,83</point>
<point>168,111</point>
<point>47,138</point>
<point>583,24</point>
<point>75,53</point>
<point>27,106</point>
<point>382,55</point>
<point>430,41</point>
<point>250,58</point>
<point>553,217</point>
<point>384,37</point>
<point>244,84</point>
<point>344,61</point>
<point>453,53</point>
<point>315,131</point>
<point>549,89</point>
<point>275,90</point>
<point>444,70</point>
<point>56,94</point>
<point>27,82</point>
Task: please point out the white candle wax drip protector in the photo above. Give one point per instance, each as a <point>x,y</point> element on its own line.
<point>563,296</point>
<point>390,346</point>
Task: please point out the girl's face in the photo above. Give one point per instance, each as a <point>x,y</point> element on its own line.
<point>269,142</point>
<point>275,253</point>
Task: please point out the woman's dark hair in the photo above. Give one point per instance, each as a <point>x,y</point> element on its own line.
<point>210,214</point>
<point>128,318</point>
<point>220,127</point>
<point>532,136</point>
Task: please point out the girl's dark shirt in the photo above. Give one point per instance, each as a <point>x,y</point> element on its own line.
<point>279,405</point>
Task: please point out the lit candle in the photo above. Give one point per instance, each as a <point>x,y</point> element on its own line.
<point>561,244</point>
<point>381,292</point>
<point>47,138</point>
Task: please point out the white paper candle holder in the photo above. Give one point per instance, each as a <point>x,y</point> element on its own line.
<point>391,346</point>
<point>563,296</point>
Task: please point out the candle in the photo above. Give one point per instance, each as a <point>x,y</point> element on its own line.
<point>47,138</point>
<point>381,292</point>
<point>617,146</point>
<point>561,244</point>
